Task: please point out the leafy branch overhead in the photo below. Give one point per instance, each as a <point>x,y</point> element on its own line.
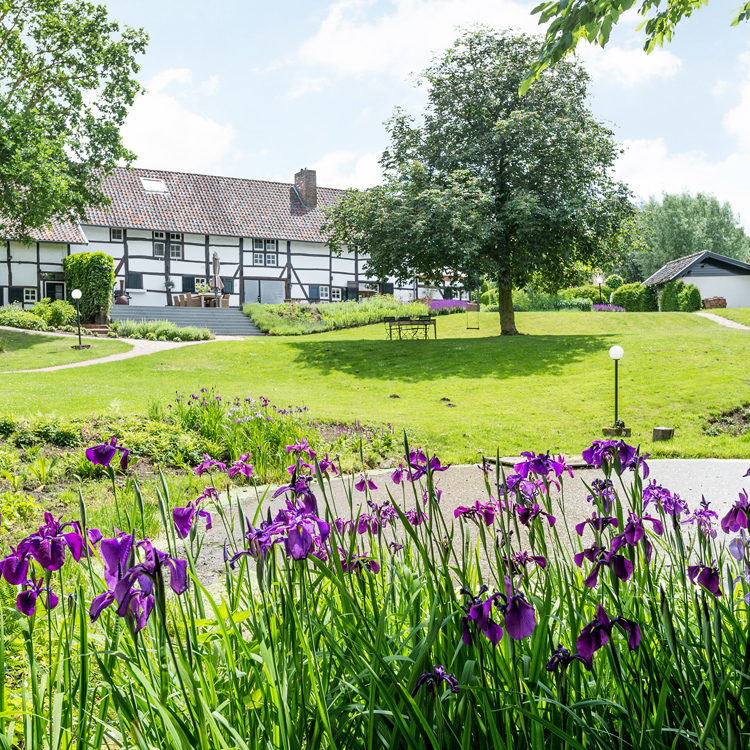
<point>66,84</point>
<point>592,21</point>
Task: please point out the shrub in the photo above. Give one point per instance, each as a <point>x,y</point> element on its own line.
<point>160,330</point>
<point>589,291</point>
<point>689,298</point>
<point>615,282</point>
<point>15,317</point>
<point>447,306</point>
<point>57,314</point>
<point>670,295</point>
<point>94,275</point>
<point>635,298</point>
<point>579,303</point>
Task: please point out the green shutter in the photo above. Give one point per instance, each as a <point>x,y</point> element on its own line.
<point>188,284</point>
<point>135,281</point>
<point>15,294</point>
<point>228,285</point>
<point>387,288</point>
<point>314,291</point>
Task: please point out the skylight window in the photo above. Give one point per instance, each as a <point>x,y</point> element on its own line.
<point>152,185</point>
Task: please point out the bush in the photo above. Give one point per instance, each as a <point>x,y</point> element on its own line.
<point>447,306</point>
<point>94,275</point>
<point>689,299</point>
<point>160,330</point>
<point>589,291</point>
<point>15,317</point>
<point>57,314</point>
<point>635,298</point>
<point>670,296</point>
<point>615,282</point>
<point>530,301</point>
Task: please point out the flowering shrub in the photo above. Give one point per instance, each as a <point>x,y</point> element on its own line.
<point>388,625</point>
<point>607,308</point>
<point>447,306</point>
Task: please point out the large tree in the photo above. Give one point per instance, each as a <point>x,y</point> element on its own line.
<point>66,83</point>
<point>574,21</point>
<point>682,224</point>
<point>490,183</point>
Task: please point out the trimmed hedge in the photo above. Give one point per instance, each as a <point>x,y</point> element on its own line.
<point>588,291</point>
<point>689,299</point>
<point>680,297</point>
<point>635,298</point>
<point>94,275</point>
<point>615,281</point>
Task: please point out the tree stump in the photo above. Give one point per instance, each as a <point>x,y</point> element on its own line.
<point>663,433</point>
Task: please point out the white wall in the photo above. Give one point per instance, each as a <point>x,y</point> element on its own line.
<point>735,289</point>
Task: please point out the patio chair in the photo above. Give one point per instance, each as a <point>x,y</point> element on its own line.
<point>225,301</point>
<point>191,301</point>
<point>179,300</point>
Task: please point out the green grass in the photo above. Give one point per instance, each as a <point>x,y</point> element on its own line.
<point>738,314</point>
<point>27,351</point>
<point>549,390</point>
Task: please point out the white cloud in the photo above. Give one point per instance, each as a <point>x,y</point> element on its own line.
<point>304,86</point>
<point>348,169</point>
<point>628,67</point>
<point>166,135</point>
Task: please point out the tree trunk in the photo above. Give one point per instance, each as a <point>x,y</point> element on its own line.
<point>507,315</point>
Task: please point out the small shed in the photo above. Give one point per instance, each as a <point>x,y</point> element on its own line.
<point>715,275</point>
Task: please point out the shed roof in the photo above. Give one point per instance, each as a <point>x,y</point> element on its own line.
<point>680,266</point>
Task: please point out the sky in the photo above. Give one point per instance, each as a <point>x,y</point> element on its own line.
<point>260,89</point>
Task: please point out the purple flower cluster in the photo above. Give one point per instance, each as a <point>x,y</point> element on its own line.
<point>607,308</point>
<point>609,452</point>
<point>447,304</point>
<point>519,615</point>
<point>431,680</point>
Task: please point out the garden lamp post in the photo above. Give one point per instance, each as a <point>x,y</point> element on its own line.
<point>598,281</point>
<point>76,294</point>
<point>616,352</point>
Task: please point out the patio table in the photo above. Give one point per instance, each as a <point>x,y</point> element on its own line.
<point>411,327</point>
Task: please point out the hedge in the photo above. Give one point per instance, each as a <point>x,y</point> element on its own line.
<point>689,299</point>
<point>635,298</point>
<point>15,317</point>
<point>94,275</point>
<point>615,281</point>
<point>588,291</point>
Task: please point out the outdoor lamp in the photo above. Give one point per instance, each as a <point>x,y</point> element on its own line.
<point>598,280</point>
<point>616,352</point>
<point>76,294</point>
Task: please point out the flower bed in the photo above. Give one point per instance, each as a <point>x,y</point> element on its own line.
<point>448,306</point>
<point>375,629</point>
<point>607,308</point>
<point>159,330</point>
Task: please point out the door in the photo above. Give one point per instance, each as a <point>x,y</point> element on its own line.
<point>251,289</point>
<point>272,292</point>
<point>54,290</point>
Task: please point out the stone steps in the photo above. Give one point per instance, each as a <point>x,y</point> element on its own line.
<point>221,321</point>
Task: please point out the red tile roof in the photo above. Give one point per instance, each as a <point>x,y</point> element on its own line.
<point>205,204</point>
<point>59,231</point>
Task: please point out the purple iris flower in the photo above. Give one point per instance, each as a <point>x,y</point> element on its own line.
<point>672,504</point>
<point>398,474</point>
<point>385,512</point>
<point>527,514</point>
<point>706,576</point>
<point>241,466</point>
<point>598,523</point>
<point>368,522</point>
<point>519,560</point>
<point>415,517</point>
<point>26,600</point>
<point>301,446</point>
<point>739,545</point>
<point>542,464</point>
<point>562,657</point>
<point>47,546</point>
<point>259,540</point>
<point>183,518</point>
<point>520,618</point>
<point>207,463</point>
<point>433,679</point>
<point>736,519</point>
<point>344,524</point>
<point>435,465</point>
<point>396,547</point>
<point>355,562</point>
<point>300,527</point>
<point>529,488</point>
<point>704,518</point>
<point>15,566</point>
<point>360,486</point>
<point>618,564</point>
<point>605,451</point>
<point>604,493</point>
<point>426,494</point>
<point>102,455</point>
<point>300,492</point>
<point>327,464</point>
<point>478,512</point>
<point>599,631</point>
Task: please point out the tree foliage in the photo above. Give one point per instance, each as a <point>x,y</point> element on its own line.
<point>66,82</point>
<point>682,224</point>
<point>490,183</point>
<point>593,20</point>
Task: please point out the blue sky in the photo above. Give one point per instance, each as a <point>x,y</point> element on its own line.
<point>259,89</point>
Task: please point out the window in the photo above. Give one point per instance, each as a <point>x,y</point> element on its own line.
<point>29,295</point>
<point>175,237</point>
<point>258,259</point>
<point>115,235</point>
<point>135,281</point>
<point>175,251</point>
<point>324,292</point>
<point>335,294</point>
<point>158,249</point>
<point>270,259</point>
<point>271,246</point>
<point>200,281</point>
<point>159,236</point>
<point>152,185</point>
<point>258,244</point>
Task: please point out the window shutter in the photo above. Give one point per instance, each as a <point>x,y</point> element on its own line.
<point>387,288</point>
<point>314,291</point>
<point>135,281</point>
<point>1,296</point>
<point>448,293</point>
<point>188,284</point>
<point>15,294</point>
<point>228,285</point>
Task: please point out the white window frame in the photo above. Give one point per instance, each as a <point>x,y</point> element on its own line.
<point>116,235</point>
<point>258,245</point>
<point>153,185</point>
<point>270,259</point>
<point>172,248</point>
<point>270,246</point>
<point>258,259</point>
<point>199,280</point>
<point>159,249</point>
<point>324,292</point>
<point>160,236</point>
<point>29,295</point>
<point>336,294</point>
<point>175,237</point>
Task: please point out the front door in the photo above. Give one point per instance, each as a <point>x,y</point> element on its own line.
<point>54,290</point>
<point>272,291</point>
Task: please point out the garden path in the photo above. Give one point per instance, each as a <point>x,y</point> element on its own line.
<point>140,348</point>
<point>719,480</point>
<point>723,321</point>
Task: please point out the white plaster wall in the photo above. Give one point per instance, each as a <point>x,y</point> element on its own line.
<point>224,241</point>
<point>197,238</point>
<point>190,252</point>
<point>264,272</point>
<point>344,265</point>
<point>310,261</point>
<point>136,233</point>
<point>142,297</point>
<point>154,282</point>
<point>146,265</point>
<point>96,234</point>
<point>226,254</point>
<point>313,277</point>
<point>139,247</point>
<point>4,278</point>
<point>23,275</point>
<point>736,289</point>
<point>184,268</point>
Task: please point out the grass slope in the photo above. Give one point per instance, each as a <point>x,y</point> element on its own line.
<point>738,314</point>
<point>551,389</point>
<point>28,351</point>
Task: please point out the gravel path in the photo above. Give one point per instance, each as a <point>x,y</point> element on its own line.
<point>719,480</point>
<point>140,348</point>
<point>723,321</point>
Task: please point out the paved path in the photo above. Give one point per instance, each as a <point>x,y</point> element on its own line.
<point>140,348</point>
<point>723,321</point>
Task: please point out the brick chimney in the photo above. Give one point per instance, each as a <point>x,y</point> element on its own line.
<point>306,184</point>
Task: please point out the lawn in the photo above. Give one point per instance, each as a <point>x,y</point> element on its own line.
<point>549,390</point>
<point>29,351</point>
<point>738,314</point>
